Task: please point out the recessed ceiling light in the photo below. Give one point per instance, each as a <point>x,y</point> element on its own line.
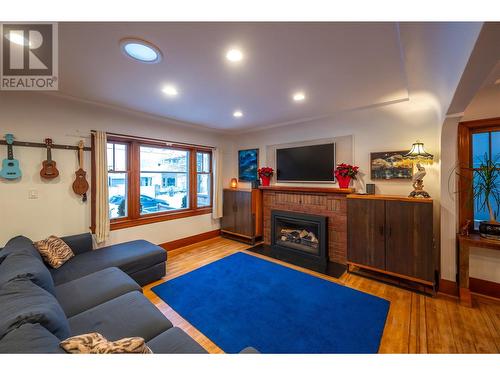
<point>140,50</point>
<point>170,90</point>
<point>234,55</point>
<point>299,96</point>
<point>238,114</point>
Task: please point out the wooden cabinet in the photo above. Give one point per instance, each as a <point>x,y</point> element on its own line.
<point>242,214</point>
<point>393,235</point>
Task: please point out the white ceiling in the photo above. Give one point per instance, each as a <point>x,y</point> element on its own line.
<point>340,66</point>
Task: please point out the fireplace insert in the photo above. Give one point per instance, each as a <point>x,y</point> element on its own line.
<point>300,235</point>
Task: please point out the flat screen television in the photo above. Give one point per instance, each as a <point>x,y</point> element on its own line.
<point>307,163</point>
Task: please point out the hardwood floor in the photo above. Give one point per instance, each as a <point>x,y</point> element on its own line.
<point>415,324</point>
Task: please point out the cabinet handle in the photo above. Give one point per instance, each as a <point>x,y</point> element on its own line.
<point>381,230</point>
<point>390,231</point>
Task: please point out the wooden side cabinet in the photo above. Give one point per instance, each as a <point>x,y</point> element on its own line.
<point>242,214</point>
<point>392,235</point>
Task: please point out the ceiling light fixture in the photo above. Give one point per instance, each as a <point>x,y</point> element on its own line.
<point>170,90</point>
<point>238,114</point>
<point>234,55</point>
<point>140,50</point>
<point>299,96</point>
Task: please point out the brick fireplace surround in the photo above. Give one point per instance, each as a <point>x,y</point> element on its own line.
<point>329,202</point>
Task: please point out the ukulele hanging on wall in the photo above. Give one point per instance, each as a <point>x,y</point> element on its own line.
<point>10,166</point>
<point>81,186</point>
<point>49,169</point>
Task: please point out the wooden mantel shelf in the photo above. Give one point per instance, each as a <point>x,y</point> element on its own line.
<point>307,189</point>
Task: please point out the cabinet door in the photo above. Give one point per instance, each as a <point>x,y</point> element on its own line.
<point>244,223</point>
<point>409,244</point>
<point>228,221</point>
<point>366,238</point>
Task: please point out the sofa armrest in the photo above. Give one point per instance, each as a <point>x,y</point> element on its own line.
<point>249,350</point>
<point>79,243</point>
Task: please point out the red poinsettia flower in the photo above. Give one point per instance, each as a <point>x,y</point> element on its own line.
<point>345,170</point>
<point>265,171</point>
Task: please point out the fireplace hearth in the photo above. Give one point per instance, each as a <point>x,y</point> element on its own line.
<point>300,235</point>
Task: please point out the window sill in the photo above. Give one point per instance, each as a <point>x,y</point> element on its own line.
<point>156,218</point>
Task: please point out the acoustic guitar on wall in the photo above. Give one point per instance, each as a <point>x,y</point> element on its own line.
<point>49,169</point>
<point>81,186</point>
<point>10,166</point>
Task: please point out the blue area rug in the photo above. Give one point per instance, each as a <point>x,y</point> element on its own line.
<point>242,300</point>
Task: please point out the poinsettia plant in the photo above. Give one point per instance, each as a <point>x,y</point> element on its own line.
<point>265,172</point>
<point>344,170</point>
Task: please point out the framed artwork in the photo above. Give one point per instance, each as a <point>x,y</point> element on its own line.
<point>390,165</point>
<point>248,163</point>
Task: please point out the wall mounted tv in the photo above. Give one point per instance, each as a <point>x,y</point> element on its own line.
<point>307,163</point>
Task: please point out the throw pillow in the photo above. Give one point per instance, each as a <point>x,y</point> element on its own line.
<point>95,343</point>
<point>54,251</point>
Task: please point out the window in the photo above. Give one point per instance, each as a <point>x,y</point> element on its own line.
<point>477,140</point>
<point>149,182</point>
<point>203,178</point>
<point>485,146</point>
<point>117,179</point>
<point>158,165</point>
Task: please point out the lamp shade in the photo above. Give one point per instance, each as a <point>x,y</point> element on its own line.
<point>234,183</point>
<point>418,153</point>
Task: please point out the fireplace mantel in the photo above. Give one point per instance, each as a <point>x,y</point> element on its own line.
<point>307,189</point>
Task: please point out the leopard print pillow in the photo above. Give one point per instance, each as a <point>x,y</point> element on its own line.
<point>95,343</point>
<point>54,251</point>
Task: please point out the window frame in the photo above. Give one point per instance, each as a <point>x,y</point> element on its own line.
<point>210,175</point>
<point>465,131</point>
<point>134,217</point>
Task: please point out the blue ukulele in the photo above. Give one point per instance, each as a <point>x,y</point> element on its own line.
<point>10,166</point>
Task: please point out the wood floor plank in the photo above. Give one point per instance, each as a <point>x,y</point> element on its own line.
<point>415,323</point>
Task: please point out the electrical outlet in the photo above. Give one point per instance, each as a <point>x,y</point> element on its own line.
<point>33,194</point>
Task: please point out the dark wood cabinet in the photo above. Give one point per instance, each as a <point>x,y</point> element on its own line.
<point>242,214</point>
<point>367,237</point>
<point>393,235</point>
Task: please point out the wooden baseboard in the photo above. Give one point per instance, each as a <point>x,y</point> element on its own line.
<point>448,287</point>
<point>479,286</point>
<point>485,287</point>
<point>172,245</point>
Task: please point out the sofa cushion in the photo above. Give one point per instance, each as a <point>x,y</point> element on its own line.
<point>130,315</point>
<point>54,251</point>
<point>30,338</point>
<point>22,263</point>
<point>175,340</point>
<point>79,243</point>
<point>130,257</point>
<point>91,290</point>
<point>19,243</point>
<point>95,343</point>
<point>22,302</point>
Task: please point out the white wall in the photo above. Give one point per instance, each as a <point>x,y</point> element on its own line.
<point>35,116</point>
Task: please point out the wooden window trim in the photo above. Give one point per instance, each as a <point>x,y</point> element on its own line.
<point>465,131</point>
<point>134,217</point>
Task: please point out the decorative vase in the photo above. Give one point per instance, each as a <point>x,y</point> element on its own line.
<point>344,181</point>
<point>266,180</point>
<point>489,230</point>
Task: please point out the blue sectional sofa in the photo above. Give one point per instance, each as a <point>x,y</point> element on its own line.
<point>95,291</point>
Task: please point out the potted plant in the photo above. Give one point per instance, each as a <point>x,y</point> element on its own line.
<point>344,173</point>
<point>265,174</point>
<point>486,195</point>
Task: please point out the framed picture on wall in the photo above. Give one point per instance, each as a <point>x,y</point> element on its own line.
<point>248,163</point>
<point>390,165</point>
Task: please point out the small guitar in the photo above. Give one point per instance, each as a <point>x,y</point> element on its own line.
<point>81,186</point>
<point>10,166</point>
<point>49,169</point>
